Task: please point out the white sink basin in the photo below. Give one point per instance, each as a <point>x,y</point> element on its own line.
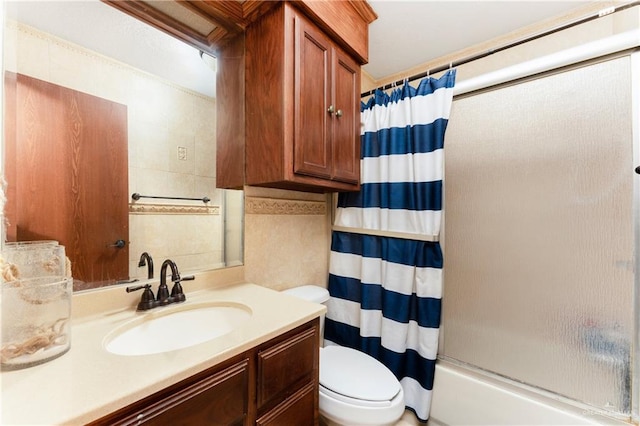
<point>172,328</point>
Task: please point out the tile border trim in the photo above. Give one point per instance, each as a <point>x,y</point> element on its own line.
<point>135,208</point>
<point>274,206</point>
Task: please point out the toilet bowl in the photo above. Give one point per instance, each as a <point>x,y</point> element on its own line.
<point>355,388</point>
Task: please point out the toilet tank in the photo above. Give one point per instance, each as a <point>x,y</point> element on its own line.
<point>311,293</point>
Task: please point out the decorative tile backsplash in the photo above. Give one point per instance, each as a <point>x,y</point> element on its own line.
<point>259,205</point>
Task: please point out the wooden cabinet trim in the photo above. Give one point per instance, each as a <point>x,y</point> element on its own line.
<point>165,23</point>
<point>347,22</point>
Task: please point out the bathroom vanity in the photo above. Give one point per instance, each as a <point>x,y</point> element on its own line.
<point>264,372</point>
<point>272,384</point>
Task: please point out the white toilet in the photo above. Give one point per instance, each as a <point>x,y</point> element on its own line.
<point>355,388</point>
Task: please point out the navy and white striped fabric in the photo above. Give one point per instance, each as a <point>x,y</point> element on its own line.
<point>386,291</point>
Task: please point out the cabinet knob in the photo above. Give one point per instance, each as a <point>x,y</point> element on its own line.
<point>331,109</point>
<point>339,113</point>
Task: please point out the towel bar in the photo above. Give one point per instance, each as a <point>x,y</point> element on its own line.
<point>137,196</point>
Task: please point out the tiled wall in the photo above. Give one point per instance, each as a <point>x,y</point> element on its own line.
<point>287,238</point>
<point>161,118</point>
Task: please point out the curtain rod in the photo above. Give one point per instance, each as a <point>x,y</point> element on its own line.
<point>599,14</point>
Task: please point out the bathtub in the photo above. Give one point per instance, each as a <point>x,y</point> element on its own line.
<point>462,396</point>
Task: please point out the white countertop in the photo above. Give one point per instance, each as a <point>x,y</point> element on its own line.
<point>88,382</point>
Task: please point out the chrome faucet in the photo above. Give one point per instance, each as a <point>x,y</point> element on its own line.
<point>146,260</point>
<point>163,296</point>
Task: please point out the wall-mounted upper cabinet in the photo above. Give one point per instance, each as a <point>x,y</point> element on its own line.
<point>301,103</point>
<point>296,122</point>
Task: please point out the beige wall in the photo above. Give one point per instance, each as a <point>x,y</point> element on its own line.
<point>161,118</point>
<point>287,237</point>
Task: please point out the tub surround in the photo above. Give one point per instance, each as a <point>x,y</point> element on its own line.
<point>88,382</point>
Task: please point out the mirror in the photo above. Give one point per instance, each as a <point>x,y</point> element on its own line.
<point>168,95</point>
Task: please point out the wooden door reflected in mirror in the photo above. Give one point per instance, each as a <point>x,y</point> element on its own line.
<point>67,157</point>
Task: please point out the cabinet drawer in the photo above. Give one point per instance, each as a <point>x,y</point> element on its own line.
<point>218,399</point>
<point>286,366</point>
<point>298,409</point>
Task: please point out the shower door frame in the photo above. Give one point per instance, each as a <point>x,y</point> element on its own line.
<point>635,132</point>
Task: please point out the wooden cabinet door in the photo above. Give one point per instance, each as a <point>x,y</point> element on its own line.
<point>346,120</point>
<point>312,98</point>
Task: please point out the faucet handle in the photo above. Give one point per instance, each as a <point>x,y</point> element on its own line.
<point>147,301</point>
<point>177,294</point>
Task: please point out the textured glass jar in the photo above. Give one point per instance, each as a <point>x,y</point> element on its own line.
<point>35,305</point>
<point>36,315</point>
<point>35,258</point>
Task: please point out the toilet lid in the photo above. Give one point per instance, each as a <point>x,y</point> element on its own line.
<point>310,293</point>
<point>357,375</point>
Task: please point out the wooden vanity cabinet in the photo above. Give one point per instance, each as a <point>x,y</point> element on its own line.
<point>275,383</point>
<point>302,106</point>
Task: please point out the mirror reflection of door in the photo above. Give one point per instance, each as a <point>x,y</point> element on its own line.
<point>67,175</point>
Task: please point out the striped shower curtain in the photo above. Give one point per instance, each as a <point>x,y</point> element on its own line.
<point>385,274</point>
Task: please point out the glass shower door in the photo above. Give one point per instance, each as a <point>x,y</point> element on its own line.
<point>539,236</point>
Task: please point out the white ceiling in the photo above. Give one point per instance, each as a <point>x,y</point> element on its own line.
<point>406,33</point>
<point>410,33</point>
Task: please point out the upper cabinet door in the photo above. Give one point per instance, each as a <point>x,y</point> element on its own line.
<point>346,118</point>
<point>313,106</point>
